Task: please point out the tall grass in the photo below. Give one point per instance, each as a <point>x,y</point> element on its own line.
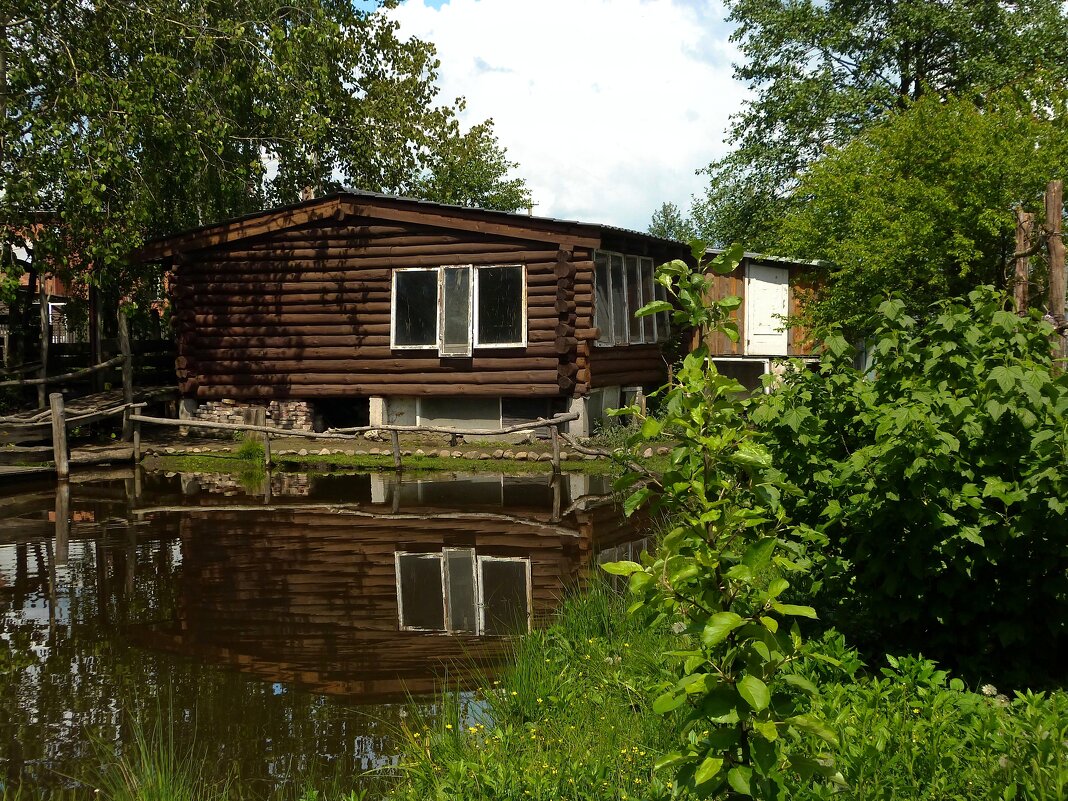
<point>569,720</point>
<point>155,768</point>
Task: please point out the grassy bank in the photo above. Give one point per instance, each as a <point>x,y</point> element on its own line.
<point>572,720</point>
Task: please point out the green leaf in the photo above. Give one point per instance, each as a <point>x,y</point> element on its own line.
<point>623,568</point>
<point>656,307</point>
<point>766,729</point>
<point>673,759</point>
<point>801,683</point>
<point>739,778</point>
<point>794,610</point>
<point>650,428</point>
<point>708,769</point>
<point>636,500</point>
<point>815,726</point>
<point>668,702</point>
<point>719,627</point>
<point>757,556</point>
<point>754,692</point>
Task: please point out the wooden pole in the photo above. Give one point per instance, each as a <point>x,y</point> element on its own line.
<point>136,441</point>
<point>62,523</point>
<point>42,295</point>
<point>394,441</point>
<point>554,432</point>
<point>1055,244</point>
<point>267,453</point>
<point>1025,224</point>
<point>127,370</point>
<point>59,436</point>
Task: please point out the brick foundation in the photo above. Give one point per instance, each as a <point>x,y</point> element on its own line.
<point>292,415</point>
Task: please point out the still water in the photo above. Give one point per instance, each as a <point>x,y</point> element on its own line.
<point>279,628</point>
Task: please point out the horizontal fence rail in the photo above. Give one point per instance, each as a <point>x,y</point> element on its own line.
<point>351,434</point>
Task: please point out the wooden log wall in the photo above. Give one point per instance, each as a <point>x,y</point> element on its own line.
<point>305,313</point>
<point>315,602</point>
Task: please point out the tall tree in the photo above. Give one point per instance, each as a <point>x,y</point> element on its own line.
<point>472,169</point>
<point>921,204</point>
<point>821,72</point>
<point>669,222</point>
<point>127,118</point>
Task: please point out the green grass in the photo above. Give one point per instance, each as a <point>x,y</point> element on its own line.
<point>569,720</point>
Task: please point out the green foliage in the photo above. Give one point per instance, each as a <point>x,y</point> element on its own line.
<point>913,734</point>
<point>939,477</point>
<point>569,720</point>
<point>155,769</point>
<point>719,577</point>
<point>251,450</point>
<point>121,121</point>
<point>922,203</point>
<point>820,73</point>
<point>669,222</point>
<point>472,170</point>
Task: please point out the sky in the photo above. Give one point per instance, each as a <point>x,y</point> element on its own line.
<point>608,106</point>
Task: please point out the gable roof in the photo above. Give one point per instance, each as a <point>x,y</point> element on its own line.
<point>358,203</point>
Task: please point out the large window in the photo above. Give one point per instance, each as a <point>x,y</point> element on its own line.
<point>458,591</point>
<point>453,309</point>
<point>622,285</point>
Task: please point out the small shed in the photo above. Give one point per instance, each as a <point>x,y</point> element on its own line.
<point>361,308</point>
<point>772,290</point>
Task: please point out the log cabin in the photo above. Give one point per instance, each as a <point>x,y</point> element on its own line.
<point>361,308</point>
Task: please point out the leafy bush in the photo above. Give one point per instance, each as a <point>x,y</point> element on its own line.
<point>940,476</point>
<point>912,734</point>
<point>719,575</point>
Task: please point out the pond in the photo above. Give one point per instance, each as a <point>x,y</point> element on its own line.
<point>278,628</point>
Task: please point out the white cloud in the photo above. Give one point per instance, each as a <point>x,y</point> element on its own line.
<point>608,105</point>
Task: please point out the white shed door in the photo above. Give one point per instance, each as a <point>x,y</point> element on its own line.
<point>767,292</point>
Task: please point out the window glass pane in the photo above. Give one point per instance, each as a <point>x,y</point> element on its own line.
<point>460,589</point>
<point>648,295</point>
<point>619,301</point>
<point>415,307</point>
<point>634,298</point>
<point>419,593</point>
<point>663,322</point>
<point>504,596</point>
<point>501,311</point>
<point>456,312</point>
<point>602,298</point>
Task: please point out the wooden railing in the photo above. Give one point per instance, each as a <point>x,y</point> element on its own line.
<point>351,434</point>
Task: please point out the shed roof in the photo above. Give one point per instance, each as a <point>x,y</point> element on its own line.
<point>356,203</point>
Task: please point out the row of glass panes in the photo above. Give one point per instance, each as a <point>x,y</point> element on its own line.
<point>622,285</point>
<point>453,308</point>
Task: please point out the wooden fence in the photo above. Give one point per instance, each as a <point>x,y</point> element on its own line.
<point>351,434</point>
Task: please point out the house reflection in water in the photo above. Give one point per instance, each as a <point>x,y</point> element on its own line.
<point>386,592</point>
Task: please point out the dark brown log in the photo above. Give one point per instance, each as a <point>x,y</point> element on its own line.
<point>364,354</point>
<point>326,262</point>
<point>206,367</point>
<point>308,250</point>
<point>355,390</point>
<point>514,377</point>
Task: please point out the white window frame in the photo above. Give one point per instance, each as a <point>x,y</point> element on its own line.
<point>480,561</point>
<point>522,343</point>
<point>472,311</point>
<point>608,339</point>
<point>480,606</point>
<point>393,310</point>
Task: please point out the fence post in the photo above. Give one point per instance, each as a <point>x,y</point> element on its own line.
<point>394,439</point>
<point>267,452</point>
<point>42,299</point>
<point>137,441</point>
<point>127,369</point>
<point>59,436</point>
<point>554,432</point>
